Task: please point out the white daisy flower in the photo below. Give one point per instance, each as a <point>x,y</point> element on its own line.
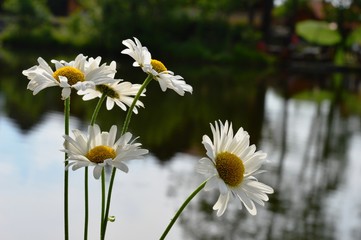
<point>79,74</point>
<point>230,165</point>
<point>120,93</point>
<point>140,54</point>
<point>156,68</point>
<point>99,149</point>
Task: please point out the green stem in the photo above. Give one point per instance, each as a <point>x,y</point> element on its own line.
<point>105,219</point>
<point>130,110</point>
<point>103,203</point>
<point>86,204</point>
<point>180,210</point>
<point>124,129</point>
<point>66,173</point>
<point>86,177</point>
<point>97,108</point>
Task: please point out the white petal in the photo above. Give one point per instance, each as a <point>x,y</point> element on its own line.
<point>221,204</point>
<point>120,165</point>
<point>206,167</point>
<point>112,135</point>
<point>248,203</point>
<point>208,145</point>
<point>44,65</point>
<point>211,183</point>
<point>253,163</point>
<point>222,187</point>
<point>109,103</point>
<point>65,93</point>
<point>97,171</point>
<point>261,186</point>
<point>79,164</point>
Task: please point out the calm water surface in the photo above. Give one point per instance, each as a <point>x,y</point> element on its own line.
<point>309,125</point>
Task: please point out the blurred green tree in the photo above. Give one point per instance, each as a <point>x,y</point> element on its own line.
<point>27,22</point>
<point>28,12</point>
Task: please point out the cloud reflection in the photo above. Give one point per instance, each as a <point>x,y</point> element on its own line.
<point>31,183</point>
<point>314,168</point>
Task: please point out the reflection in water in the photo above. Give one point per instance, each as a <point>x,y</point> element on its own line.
<point>310,130</point>
<point>304,192</point>
<point>31,180</point>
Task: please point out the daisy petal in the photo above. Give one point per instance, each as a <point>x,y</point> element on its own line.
<point>248,203</point>
<point>221,204</point>
<point>211,184</point>
<point>97,171</point>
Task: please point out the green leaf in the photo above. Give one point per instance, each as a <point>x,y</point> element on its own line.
<point>354,37</point>
<point>318,32</point>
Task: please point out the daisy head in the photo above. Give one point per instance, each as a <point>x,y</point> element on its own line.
<point>231,165</point>
<point>81,73</point>
<point>99,149</point>
<point>156,68</point>
<point>118,92</point>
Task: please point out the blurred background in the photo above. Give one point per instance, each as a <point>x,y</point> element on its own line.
<point>287,71</point>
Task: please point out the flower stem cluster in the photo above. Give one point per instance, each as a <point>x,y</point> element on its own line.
<point>230,163</point>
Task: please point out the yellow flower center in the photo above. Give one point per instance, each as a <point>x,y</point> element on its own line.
<point>100,153</point>
<point>230,168</point>
<point>158,66</point>
<point>73,74</point>
<point>110,92</point>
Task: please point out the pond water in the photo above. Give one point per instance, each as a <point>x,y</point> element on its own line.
<point>309,124</point>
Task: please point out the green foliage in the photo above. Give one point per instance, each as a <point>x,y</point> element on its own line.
<point>16,35</point>
<point>248,56</point>
<point>29,22</point>
<point>197,30</point>
<point>318,32</point>
<point>289,7</point>
<point>316,96</point>
<point>193,29</point>
<point>339,59</point>
<point>352,103</point>
<point>354,37</point>
<point>78,30</point>
<point>28,12</point>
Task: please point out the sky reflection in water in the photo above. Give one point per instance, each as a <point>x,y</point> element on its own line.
<point>315,198</point>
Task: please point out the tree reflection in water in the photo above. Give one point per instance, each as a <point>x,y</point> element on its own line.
<point>308,125</point>
<point>312,139</point>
